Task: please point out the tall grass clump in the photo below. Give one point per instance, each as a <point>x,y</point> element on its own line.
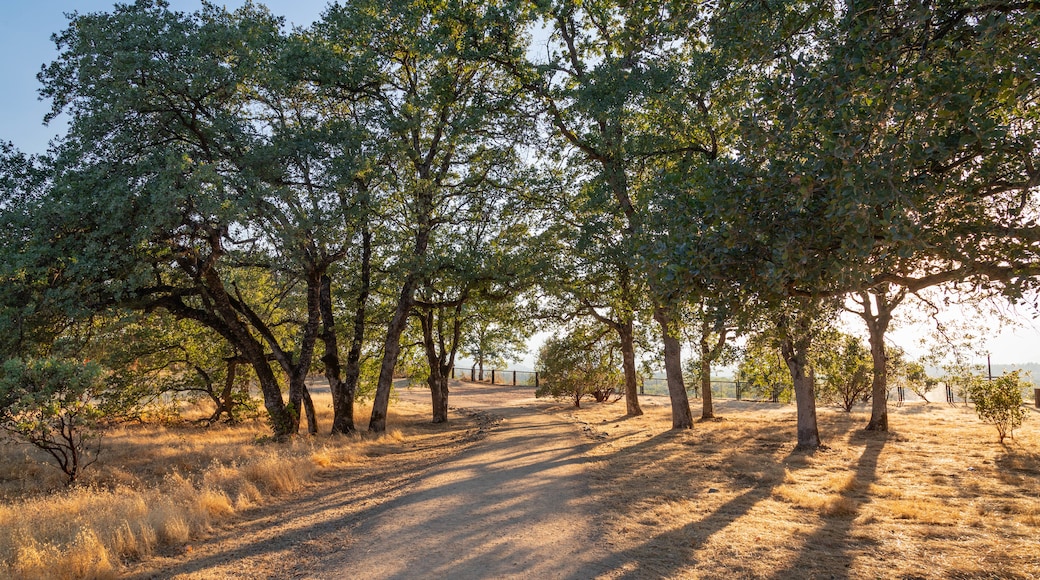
<point>89,532</point>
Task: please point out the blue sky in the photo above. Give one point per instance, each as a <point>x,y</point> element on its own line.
<point>27,25</point>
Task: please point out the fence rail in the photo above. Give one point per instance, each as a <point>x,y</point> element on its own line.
<point>497,376</point>
<point>720,389</point>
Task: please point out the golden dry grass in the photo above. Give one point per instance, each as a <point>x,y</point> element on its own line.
<point>937,497</point>
<point>161,486</point>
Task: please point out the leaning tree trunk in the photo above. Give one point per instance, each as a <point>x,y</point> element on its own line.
<point>391,352</point>
<point>252,350</point>
<point>682,417</point>
<point>628,363</point>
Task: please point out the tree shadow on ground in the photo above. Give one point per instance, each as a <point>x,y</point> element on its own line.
<point>831,546</point>
<point>743,462</point>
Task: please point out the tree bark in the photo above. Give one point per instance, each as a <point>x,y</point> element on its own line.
<point>682,417</point>
<point>877,325</point>
<point>707,406</point>
<point>225,404</point>
<point>342,401</point>
<point>628,363</point>
<point>805,399</point>
<point>231,327</point>
<point>391,352</point>
<point>794,347</point>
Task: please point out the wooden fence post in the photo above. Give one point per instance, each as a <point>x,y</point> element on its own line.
<point>514,380</point>
<point>492,376</point>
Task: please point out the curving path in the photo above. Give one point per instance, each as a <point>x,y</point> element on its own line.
<point>516,505</point>
<point>513,505</point>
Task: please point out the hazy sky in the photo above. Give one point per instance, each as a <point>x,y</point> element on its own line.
<point>25,30</point>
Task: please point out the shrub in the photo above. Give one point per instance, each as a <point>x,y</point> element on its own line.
<point>577,365</point>
<point>53,405</point>
<point>1000,402</point>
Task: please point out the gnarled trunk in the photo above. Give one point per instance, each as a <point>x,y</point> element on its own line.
<point>682,417</point>
<point>391,352</point>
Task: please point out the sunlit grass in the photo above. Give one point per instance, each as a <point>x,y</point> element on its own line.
<point>733,498</point>
<point>161,485</point>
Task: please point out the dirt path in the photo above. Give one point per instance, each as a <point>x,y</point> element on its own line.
<point>513,505</point>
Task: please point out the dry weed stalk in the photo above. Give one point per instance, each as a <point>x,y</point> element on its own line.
<point>157,485</point>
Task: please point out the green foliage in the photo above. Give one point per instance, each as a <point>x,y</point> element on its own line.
<point>844,369</point>
<point>762,371</point>
<point>914,375</point>
<point>54,405</point>
<point>577,365</point>
<point>999,402</point>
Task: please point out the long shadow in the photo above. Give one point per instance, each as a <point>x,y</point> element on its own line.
<point>833,538</point>
<point>658,556</point>
<point>720,519</point>
<point>460,526</point>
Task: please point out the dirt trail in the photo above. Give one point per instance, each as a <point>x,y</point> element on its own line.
<point>514,505</point>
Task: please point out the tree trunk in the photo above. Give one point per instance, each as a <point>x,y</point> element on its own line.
<point>439,394</point>
<point>707,407</point>
<point>682,417</point>
<point>225,403</point>
<point>391,352</point>
<point>308,407</point>
<point>299,396</point>
<point>628,362</point>
<point>805,398</point>
<point>282,421</point>
<point>879,385</point>
<point>877,326</point>
<point>795,349</point>
<point>344,391</point>
<point>342,401</point>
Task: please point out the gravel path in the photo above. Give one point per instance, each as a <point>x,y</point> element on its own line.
<point>513,505</point>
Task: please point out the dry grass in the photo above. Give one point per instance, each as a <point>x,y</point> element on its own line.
<point>936,498</point>
<point>157,487</point>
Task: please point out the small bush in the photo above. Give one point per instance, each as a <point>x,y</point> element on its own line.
<point>53,405</point>
<point>579,364</point>
<point>999,402</point>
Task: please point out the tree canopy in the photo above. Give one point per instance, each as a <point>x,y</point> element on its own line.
<point>309,197</point>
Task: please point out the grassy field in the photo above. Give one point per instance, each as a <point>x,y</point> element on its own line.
<point>937,497</point>
<point>158,488</point>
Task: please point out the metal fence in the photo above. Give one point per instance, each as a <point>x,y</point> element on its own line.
<point>497,376</point>
<point>721,389</point>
